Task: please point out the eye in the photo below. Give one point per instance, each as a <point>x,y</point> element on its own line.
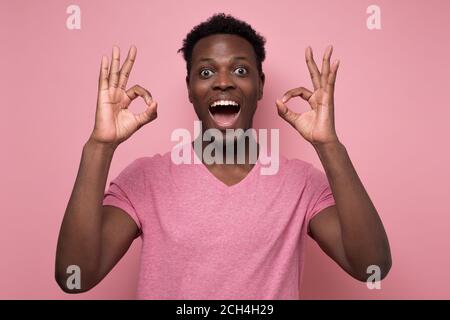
<point>241,71</point>
<point>205,73</point>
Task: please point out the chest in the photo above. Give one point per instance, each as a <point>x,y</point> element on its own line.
<point>244,221</point>
<point>228,177</point>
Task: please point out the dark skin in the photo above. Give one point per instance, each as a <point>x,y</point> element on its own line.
<point>95,237</point>
<point>350,232</point>
<point>224,66</point>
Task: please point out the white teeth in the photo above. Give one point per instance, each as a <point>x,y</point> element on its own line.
<point>223,103</point>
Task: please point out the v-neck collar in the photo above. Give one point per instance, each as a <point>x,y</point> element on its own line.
<point>216,182</point>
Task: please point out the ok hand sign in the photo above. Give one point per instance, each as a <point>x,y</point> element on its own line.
<point>317,124</point>
<point>114,122</point>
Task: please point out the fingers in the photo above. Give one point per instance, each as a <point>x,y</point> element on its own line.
<point>312,67</point>
<point>114,70</point>
<point>148,115</point>
<point>103,78</point>
<point>304,93</point>
<point>285,113</point>
<point>138,91</point>
<point>332,77</point>
<point>326,66</point>
<point>327,76</point>
<point>126,68</point>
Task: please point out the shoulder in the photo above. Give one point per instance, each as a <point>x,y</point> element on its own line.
<point>140,167</point>
<point>149,162</point>
<point>298,167</point>
<point>303,170</point>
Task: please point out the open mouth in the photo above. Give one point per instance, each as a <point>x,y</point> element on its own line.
<point>224,112</point>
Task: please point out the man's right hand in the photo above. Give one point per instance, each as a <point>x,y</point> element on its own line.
<point>114,122</point>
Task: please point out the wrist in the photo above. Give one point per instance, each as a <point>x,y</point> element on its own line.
<point>329,146</point>
<point>103,147</point>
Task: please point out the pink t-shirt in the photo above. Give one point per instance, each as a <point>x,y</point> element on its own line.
<point>202,239</point>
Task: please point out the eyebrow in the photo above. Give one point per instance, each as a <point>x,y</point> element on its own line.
<point>233,59</point>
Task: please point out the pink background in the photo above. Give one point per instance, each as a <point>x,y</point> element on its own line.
<point>392,114</point>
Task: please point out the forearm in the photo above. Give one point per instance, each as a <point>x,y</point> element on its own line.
<point>363,235</point>
<point>79,240</point>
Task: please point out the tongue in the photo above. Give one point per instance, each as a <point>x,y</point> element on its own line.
<point>224,117</point>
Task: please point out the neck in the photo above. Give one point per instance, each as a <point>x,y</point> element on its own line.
<point>241,151</point>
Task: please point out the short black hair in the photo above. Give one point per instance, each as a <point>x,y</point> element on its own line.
<point>221,23</point>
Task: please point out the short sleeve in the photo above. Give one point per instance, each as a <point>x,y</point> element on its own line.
<point>322,196</point>
<point>126,190</point>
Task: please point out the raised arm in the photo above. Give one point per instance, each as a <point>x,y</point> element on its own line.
<point>94,237</point>
<point>351,232</point>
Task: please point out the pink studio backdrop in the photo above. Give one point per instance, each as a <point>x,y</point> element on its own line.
<point>392,114</point>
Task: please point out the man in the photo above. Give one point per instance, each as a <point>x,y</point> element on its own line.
<point>218,231</point>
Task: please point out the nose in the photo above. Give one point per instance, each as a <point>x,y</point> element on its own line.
<point>223,81</point>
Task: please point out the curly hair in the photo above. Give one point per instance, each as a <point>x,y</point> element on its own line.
<point>221,23</point>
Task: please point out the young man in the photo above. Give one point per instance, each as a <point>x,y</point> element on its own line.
<point>218,231</point>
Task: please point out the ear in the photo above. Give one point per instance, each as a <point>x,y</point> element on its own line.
<point>262,79</point>
<point>188,88</point>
